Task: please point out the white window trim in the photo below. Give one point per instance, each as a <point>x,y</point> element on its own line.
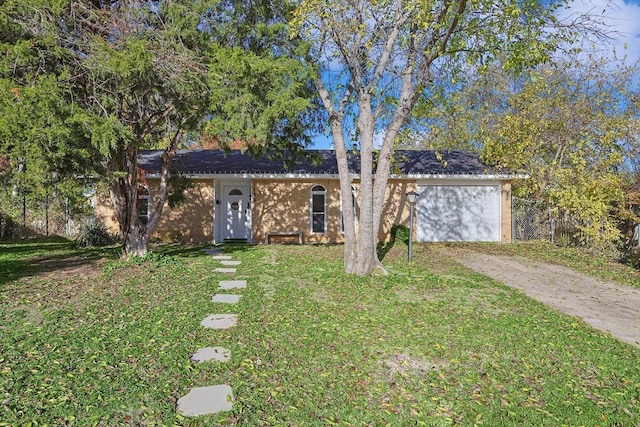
<point>324,212</point>
<point>354,200</point>
<point>148,197</point>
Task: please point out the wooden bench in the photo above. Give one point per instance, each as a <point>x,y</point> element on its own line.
<point>283,233</point>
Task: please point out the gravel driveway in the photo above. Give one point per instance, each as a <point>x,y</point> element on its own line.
<point>607,306</point>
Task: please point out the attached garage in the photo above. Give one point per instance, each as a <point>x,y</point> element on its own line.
<point>459,212</point>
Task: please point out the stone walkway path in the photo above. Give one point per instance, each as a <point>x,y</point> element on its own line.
<point>216,398</point>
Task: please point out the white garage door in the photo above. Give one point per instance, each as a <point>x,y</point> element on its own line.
<point>458,213</point>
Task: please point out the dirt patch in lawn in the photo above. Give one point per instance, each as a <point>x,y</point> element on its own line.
<point>607,306</point>
<point>60,268</point>
<point>53,281</point>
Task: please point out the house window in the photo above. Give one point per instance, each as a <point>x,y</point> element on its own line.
<point>318,209</point>
<point>142,204</point>
<point>355,209</point>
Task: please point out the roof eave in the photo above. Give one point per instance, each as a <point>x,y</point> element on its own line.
<point>308,175</point>
<point>252,175</point>
<point>463,176</point>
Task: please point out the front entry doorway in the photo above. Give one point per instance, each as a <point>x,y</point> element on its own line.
<point>236,204</point>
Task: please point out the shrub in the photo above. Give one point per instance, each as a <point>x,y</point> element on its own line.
<point>632,259</point>
<point>400,232</point>
<point>95,235</point>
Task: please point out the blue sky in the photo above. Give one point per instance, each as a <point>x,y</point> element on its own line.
<point>322,142</point>
<point>623,17</point>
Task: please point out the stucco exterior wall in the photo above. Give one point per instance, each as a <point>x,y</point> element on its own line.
<point>103,212</point>
<point>396,209</point>
<point>285,205</point>
<point>190,222</point>
<point>505,214</point>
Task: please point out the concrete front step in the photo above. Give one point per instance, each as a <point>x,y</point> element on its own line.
<point>230,263</point>
<point>206,400</point>
<point>224,270</point>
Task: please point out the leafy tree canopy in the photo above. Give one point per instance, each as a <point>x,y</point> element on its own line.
<point>375,61</point>
<point>571,126</point>
<point>86,84</point>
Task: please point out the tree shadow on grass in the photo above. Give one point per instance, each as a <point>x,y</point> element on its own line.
<point>197,250</point>
<point>398,232</point>
<point>25,258</point>
<point>45,256</point>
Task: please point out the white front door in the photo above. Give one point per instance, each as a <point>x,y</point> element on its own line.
<point>236,204</point>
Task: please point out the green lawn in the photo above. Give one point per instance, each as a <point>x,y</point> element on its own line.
<point>106,342</point>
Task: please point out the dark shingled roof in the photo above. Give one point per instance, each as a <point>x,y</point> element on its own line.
<point>409,162</point>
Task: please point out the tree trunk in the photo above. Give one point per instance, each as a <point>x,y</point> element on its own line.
<point>360,251</point>
<point>135,242</point>
<point>370,63</point>
<point>366,258</point>
<point>348,209</point>
<point>124,197</point>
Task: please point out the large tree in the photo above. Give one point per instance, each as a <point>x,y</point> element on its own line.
<point>109,78</point>
<point>571,126</point>
<point>34,116</point>
<point>376,59</point>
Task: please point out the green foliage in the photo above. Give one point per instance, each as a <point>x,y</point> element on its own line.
<point>375,61</point>
<point>400,232</point>
<point>95,235</point>
<point>42,146</point>
<point>177,189</point>
<point>8,227</point>
<point>85,85</point>
<point>571,127</point>
<point>260,98</point>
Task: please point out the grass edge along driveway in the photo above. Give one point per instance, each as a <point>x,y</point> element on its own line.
<point>107,342</point>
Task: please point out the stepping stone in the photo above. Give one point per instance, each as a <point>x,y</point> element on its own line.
<point>206,400</point>
<point>212,251</point>
<point>220,321</point>
<point>226,298</point>
<point>225,257</point>
<point>225,262</point>
<point>233,284</point>
<point>218,354</point>
<point>224,270</point>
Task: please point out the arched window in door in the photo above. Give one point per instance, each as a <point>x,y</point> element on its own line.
<point>235,205</point>
<point>318,209</point>
<point>142,204</point>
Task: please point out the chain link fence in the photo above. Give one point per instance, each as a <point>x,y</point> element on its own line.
<point>29,217</point>
<point>530,220</point>
<point>533,220</point>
